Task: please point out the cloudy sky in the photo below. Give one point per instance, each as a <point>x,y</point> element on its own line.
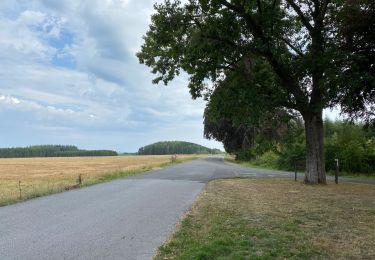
<point>69,75</point>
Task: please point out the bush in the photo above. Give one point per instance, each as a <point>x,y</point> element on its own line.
<point>244,155</point>
<point>352,144</point>
<point>268,159</point>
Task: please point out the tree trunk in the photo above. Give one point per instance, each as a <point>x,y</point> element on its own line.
<point>315,165</point>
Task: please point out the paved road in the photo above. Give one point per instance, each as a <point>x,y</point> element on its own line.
<point>123,219</point>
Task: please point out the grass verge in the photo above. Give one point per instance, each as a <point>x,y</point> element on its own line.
<point>272,166</point>
<point>276,219</point>
<point>353,176</point>
<point>48,180</point>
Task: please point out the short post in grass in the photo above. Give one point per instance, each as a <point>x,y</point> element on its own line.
<point>20,190</point>
<point>79,180</point>
<point>337,171</point>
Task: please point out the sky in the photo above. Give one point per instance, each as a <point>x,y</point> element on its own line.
<point>69,75</point>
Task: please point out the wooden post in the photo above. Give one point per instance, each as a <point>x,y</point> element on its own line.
<point>79,180</point>
<point>20,189</point>
<point>295,171</point>
<point>337,171</point>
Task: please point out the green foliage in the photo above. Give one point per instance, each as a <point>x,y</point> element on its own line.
<point>357,35</point>
<point>352,144</point>
<point>292,153</point>
<point>85,153</point>
<point>175,147</point>
<point>268,159</point>
<point>299,55</point>
<point>244,154</point>
<point>51,151</point>
<point>327,46</point>
<point>240,116</point>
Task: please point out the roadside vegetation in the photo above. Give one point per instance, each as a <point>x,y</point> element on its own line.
<point>352,144</point>
<point>271,219</point>
<point>25,178</point>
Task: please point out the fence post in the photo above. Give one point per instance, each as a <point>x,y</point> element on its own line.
<point>20,189</point>
<point>295,171</point>
<point>79,180</point>
<point>337,171</point>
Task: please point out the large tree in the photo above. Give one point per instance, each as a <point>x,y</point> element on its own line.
<point>233,117</point>
<point>306,47</point>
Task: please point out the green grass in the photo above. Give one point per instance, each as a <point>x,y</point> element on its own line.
<point>353,175</point>
<point>271,219</point>
<point>256,164</point>
<point>231,238</point>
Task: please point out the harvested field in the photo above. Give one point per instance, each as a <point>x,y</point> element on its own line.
<point>39,176</point>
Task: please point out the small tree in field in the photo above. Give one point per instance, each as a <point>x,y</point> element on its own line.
<point>298,55</point>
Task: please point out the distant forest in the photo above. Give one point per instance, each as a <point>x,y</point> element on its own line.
<point>175,147</point>
<point>51,151</point>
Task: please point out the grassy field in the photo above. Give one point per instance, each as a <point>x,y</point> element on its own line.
<point>41,176</point>
<point>276,219</point>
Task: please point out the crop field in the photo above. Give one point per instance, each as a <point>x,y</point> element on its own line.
<point>24,178</point>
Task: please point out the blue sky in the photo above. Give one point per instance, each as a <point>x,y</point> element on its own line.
<point>69,75</point>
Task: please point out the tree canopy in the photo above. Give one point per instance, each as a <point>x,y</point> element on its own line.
<point>51,151</point>
<point>294,55</point>
<point>175,147</point>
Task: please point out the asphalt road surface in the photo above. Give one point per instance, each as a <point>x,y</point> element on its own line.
<point>123,219</point>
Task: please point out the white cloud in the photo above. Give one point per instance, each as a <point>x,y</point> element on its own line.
<point>69,74</point>
<point>9,100</point>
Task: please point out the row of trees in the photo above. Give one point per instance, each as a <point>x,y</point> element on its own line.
<point>352,144</point>
<point>175,147</point>
<point>267,58</point>
<point>51,151</point>
<point>284,147</point>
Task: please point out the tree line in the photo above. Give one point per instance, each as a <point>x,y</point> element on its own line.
<point>175,147</point>
<point>51,151</point>
<point>283,146</point>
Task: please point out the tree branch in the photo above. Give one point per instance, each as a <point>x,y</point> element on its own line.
<point>259,6</point>
<point>293,47</point>
<point>284,75</point>
<point>303,18</point>
<point>249,19</point>
<point>323,10</point>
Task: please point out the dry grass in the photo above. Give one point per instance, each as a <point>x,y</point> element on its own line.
<point>41,176</point>
<point>268,219</point>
